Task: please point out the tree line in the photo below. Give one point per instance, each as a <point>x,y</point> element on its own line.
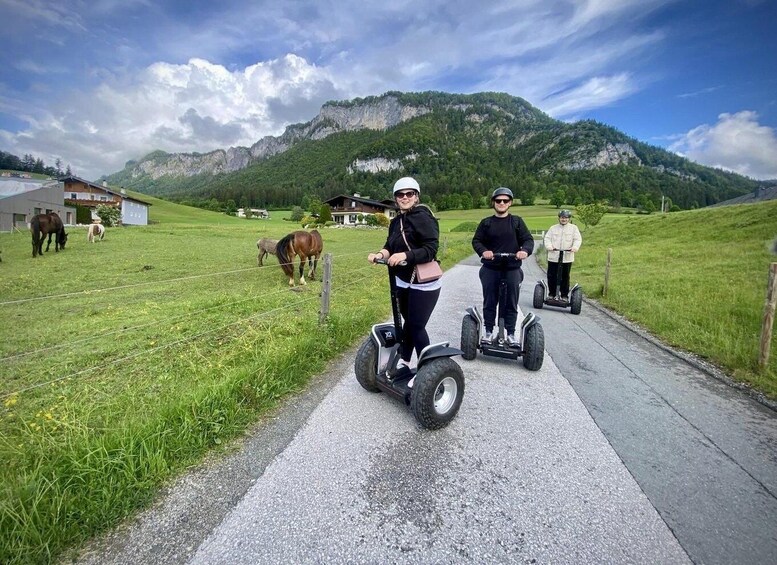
<point>31,164</point>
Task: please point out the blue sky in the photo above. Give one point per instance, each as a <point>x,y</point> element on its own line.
<point>96,83</point>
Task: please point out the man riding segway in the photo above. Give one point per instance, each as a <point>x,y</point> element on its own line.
<point>501,233</point>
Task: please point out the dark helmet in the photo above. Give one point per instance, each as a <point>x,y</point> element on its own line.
<point>564,214</point>
<point>502,191</point>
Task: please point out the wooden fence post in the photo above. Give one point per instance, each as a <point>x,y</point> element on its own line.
<point>607,272</point>
<point>768,323</point>
<point>326,288</point>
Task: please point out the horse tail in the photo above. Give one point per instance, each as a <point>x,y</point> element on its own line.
<point>284,251</point>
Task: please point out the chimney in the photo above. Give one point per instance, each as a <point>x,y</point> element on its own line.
<point>357,195</point>
<point>105,183</point>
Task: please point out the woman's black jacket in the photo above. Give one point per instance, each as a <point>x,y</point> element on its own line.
<point>423,234</point>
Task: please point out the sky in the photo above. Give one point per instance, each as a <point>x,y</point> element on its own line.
<point>97,83</point>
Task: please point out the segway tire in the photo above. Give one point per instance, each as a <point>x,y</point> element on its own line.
<point>469,338</point>
<point>576,301</point>
<point>437,393</point>
<point>534,348</point>
<point>539,295</point>
<point>366,365</point>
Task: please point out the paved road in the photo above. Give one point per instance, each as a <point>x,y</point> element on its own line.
<point>615,451</point>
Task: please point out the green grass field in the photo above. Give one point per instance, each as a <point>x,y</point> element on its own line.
<point>125,361</point>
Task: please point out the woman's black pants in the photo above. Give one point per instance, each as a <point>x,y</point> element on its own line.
<point>416,307</point>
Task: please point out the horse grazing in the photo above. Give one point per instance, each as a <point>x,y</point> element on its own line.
<point>266,247</point>
<point>305,245</point>
<point>95,231</point>
<point>43,225</point>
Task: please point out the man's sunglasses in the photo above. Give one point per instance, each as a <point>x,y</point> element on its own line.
<point>502,200</point>
<point>405,194</point>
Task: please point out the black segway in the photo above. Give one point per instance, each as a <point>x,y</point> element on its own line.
<point>541,295</point>
<point>531,347</point>
<point>438,388</point>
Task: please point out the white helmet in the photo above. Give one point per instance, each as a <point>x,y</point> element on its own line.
<point>406,183</point>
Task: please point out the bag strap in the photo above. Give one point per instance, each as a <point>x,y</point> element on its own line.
<point>402,231</point>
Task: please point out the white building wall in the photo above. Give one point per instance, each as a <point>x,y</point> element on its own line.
<point>134,213</point>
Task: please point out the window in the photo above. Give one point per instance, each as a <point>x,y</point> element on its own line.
<point>353,204</point>
<point>36,211</point>
<point>74,196</point>
<point>103,198</point>
<point>352,219</point>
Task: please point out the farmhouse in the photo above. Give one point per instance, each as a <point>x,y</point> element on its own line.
<point>22,198</point>
<point>255,213</point>
<point>349,210</point>
<point>84,193</point>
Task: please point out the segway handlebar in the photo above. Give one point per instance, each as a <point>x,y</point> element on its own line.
<point>500,256</point>
<point>385,262</point>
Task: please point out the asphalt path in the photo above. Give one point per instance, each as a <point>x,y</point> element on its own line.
<point>614,451</point>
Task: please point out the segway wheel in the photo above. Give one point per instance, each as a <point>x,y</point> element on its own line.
<point>437,393</point>
<point>539,295</point>
<point>576,301</point>
<point>366,365</point>
<point>469,337</point>
<point>534,347</point>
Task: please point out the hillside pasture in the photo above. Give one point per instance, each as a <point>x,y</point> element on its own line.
<point>124,362</point>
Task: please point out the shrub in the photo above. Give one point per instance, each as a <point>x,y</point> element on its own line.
<point>466,227</point>
<point>109,215</point>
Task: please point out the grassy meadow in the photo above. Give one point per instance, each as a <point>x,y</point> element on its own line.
<point>125,361</point>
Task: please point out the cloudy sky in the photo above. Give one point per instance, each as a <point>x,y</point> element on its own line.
<point>98,82</point>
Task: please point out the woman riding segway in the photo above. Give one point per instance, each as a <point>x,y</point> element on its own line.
<point>562,241</point>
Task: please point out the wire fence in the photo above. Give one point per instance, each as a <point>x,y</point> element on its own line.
<point>346,278</point>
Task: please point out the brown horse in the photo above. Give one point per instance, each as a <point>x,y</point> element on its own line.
<point>266,247</point>
<point>43,225</point>
<point>305,245</point>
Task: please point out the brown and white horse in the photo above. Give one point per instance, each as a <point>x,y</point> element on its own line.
<point>95,231</point>
<point>305,245</point>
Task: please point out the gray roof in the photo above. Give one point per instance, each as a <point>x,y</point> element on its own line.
<point>11,186</point>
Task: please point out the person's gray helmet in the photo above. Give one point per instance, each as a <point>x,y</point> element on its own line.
<point>406,183</point>
<point>502,191</point>
<point>565,214</point>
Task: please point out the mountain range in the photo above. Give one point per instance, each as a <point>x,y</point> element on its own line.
<point>459,146</point>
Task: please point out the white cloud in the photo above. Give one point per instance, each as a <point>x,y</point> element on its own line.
<point>197,106</point>
<point>737,142</point>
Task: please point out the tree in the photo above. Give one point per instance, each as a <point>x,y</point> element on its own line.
<point>558,198</point>
<point>591,214</point>
<point>296,214</point>
<point>109,215</point>
<point>324,214</point>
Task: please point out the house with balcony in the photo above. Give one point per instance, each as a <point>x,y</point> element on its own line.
<point>84,193</point>
<point>351,210</point>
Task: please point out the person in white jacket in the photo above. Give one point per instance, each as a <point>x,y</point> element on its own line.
<point>561,241</point>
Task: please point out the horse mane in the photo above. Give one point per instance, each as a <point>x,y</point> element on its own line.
<point>284,254</point>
